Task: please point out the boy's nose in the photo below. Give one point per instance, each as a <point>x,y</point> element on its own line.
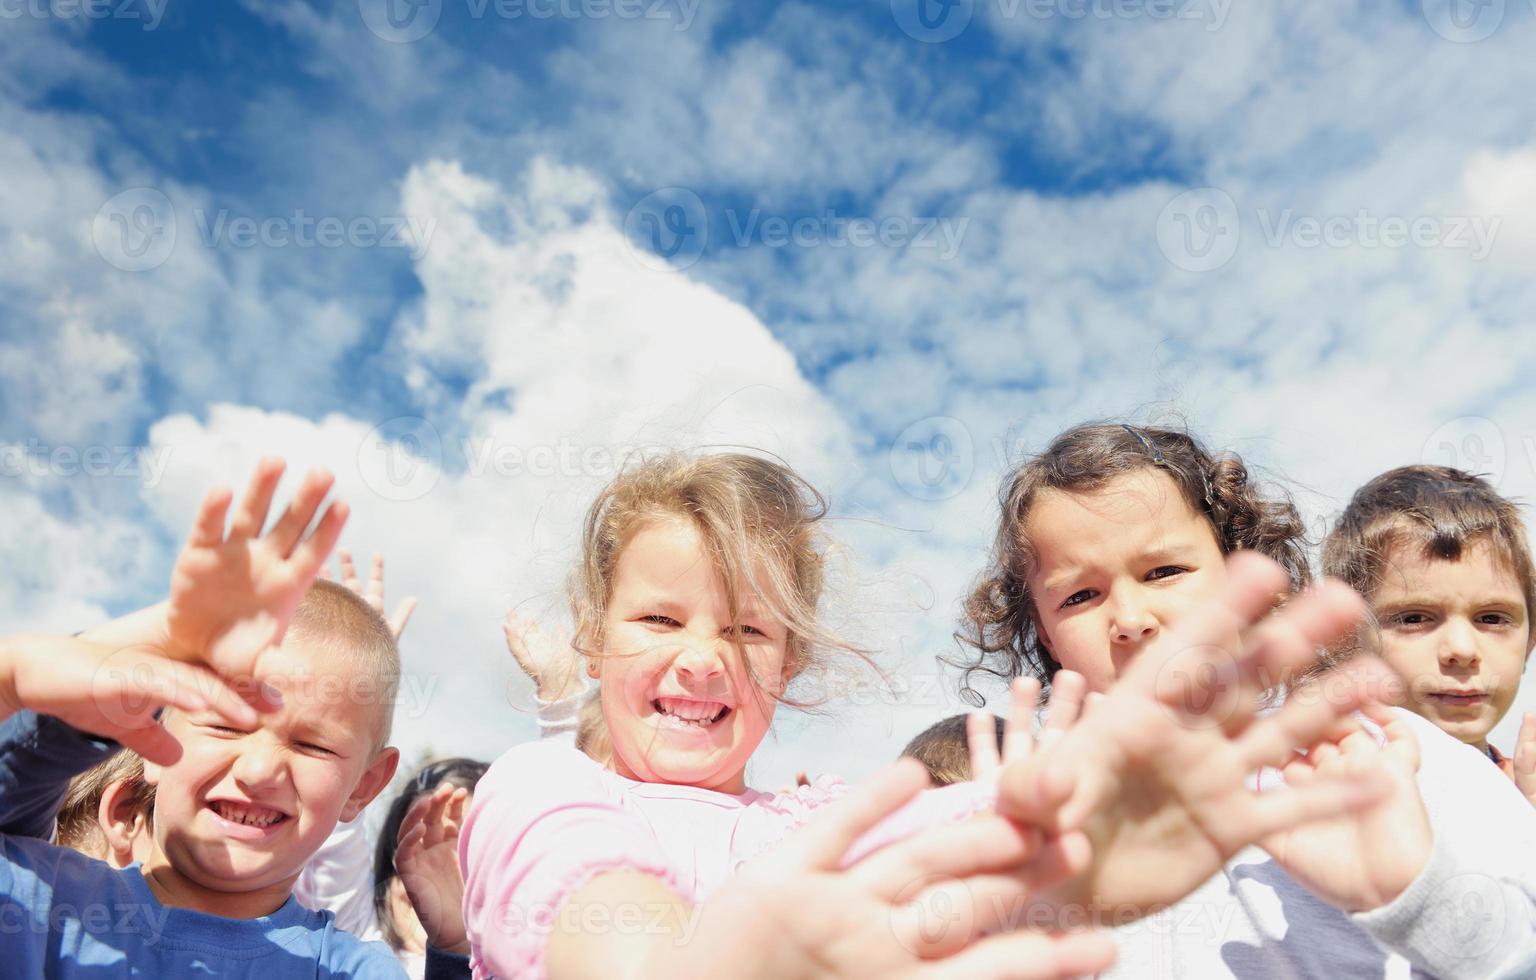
<point>259,766</point>
<point>1459,645</point>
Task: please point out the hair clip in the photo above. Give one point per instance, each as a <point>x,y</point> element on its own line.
<point>1158,460</point>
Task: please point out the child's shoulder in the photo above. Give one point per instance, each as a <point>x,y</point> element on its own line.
<point>545,771</point>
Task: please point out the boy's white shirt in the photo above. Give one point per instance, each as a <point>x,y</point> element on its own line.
<point>1471,913</point>
<point>339,878</point>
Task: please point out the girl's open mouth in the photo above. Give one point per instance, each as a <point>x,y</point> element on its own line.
<point>691,715</point>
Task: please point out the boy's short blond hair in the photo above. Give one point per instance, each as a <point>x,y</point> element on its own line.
<point>337,619</point>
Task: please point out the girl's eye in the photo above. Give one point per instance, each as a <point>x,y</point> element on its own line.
<point>1495,619</point>
<point>745,628</point>
<point>659,620</point>
<point>1077,598</point>
<point>1165,571</point>
<point>1410,619</point>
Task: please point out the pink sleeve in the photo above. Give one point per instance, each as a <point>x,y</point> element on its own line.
<point>542,825</point>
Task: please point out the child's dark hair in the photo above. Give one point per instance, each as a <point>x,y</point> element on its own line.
<point>455,772</point>
<point>944,750</point>
<point>999,615</point>
<point>1436,509</point>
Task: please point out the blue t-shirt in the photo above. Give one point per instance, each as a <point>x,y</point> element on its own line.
<point>63,914</point>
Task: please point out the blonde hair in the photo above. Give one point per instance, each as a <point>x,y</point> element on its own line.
<point>750,513</point>
<point>78,826</point>
<point>592,732</point>
<point>340,620</point>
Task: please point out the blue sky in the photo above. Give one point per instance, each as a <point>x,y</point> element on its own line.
<point>896,256</point>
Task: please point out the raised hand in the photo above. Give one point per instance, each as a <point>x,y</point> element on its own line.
<point>1365,859</point>
<point>1525,757</point>
<point>110,691</point>
<point>373,592</point>
<point>427,861</point>
<point>1159,772</point>
<point>918,908</point>
<point>1068,689</point>
<point>546,656</point>
<point>233,593</point>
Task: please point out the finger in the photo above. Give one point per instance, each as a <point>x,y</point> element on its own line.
<point>456,808</point>
<point>1525,746</point>
<point>1322,799</point>
<point>402,616</point>
<point>1308,716</point>
<point>412,821</point>
<point>1290,640</point>
<point>251,513</point>
<point>325,573</point>
<point>1252,587</point>
<point>1068,689</point>
<point>823,842</point>
<point>375,591</point>
<point>1018,735</point>
<point>289,529</point>
<point>348,571</point>
<point>407,849</point>
<point>984,843</point>
<point>208,528</point>
<point>1036,791</point>
<point>1026,956</point>
<point>981,741</point>
<point>152,742</point>
<point>435,810</point>
<point>309,556</point>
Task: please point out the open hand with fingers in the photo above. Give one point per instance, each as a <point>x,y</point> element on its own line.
<point>110,691</point>
<point>1365,858</point>
<point>1159,772</point>
<point>939,904</point>
<point>1068,691</point>
<point>234,592</point>
<point>546,656</point>
<point>427,860</point>
<point>373,592</point>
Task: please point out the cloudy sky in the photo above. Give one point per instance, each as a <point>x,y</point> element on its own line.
<point>469,253</point>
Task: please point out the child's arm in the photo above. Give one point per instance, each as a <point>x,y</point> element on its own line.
<point>39,756</point>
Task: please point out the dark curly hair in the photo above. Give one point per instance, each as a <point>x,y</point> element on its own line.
<point>999,614</point>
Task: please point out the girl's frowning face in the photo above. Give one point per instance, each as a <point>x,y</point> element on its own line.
<point>686,694</point>
<point>1115,568</point>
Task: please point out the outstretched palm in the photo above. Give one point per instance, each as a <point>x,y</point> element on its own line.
<point>1159,771</point>
<point>233,594</point>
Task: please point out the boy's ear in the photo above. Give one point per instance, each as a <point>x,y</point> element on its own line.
<point>119,820</point>
<point>377,776</point>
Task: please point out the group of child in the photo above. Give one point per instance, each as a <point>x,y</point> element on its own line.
<point>1219,784</point>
